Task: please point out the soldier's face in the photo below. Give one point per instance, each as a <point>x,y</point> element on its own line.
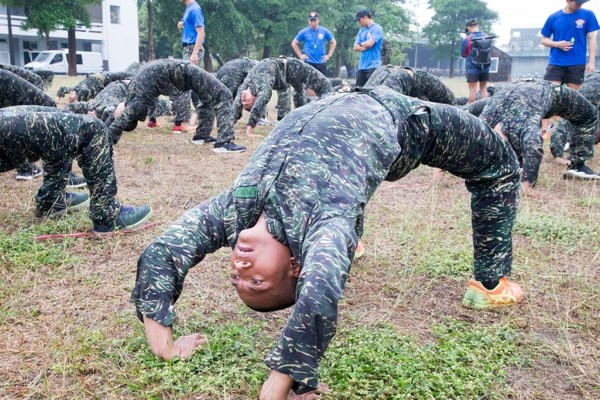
<point>263,270</point>
<point>72,96</point>
<point>314,23</point>
<point>597,136</point>
<point>248,99</point>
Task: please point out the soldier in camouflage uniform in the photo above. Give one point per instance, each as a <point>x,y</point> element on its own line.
<point>29,76</point>
<point>89,87</point>
<point>57,137</point>
<point>414,83</point>
<point>233,73</point>
<point>563,132</point>
<point>168,77</point>
<point>517,112</point>
<point>277,74</point>
<point>17,91</point>
<point>294,215</point>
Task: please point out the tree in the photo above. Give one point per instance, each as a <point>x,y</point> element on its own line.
<point>47,16</point>
<point>448,22</point>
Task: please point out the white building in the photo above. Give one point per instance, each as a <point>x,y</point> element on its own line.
<point>113,33</point>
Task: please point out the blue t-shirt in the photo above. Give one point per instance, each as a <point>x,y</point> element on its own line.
<point>573,28</point>
<point>313,43</point>
<point>370,58</point>
<point>466,52</point>
<point>192,18</point>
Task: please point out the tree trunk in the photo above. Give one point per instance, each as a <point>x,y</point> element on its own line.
<point>208,67</point>
<point>266,52</point>
<point>47,39</point>
<point>151,55</point>
<point>11,49</point>
<point>451,72</point>
<point>72,56</point>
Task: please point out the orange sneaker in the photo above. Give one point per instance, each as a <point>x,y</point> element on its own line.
<point>360,250</point>
<point>505,294</point>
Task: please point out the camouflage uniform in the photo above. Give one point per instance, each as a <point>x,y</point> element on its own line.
<point>57,138</point>
<point>105,102</point>
<point>590,89</point>
<point>520,109</point>
<point>405,80</point>
<point>89,87</point>
<point>168,77</point>
<point>46,75</point>
<point>313,201</point>
<point>29,76</point>
<point>233,73</point>
<point>181,101</point>
<point>17,91</point>
<point>278,74</point>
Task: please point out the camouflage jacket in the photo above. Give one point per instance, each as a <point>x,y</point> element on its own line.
<point>233,73</point>
<point>276,74</point>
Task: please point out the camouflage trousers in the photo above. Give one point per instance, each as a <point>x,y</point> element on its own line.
<point>17,91</point>
<point>181,101</point>
<point>59,138</point>
<point>443,136</point>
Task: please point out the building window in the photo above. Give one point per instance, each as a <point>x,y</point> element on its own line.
<point>87,46</point>
<point>115,14</point>
<point>27,45</point>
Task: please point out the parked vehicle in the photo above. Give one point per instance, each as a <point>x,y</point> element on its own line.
<point>88,62</point>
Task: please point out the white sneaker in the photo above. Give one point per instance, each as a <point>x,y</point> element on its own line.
<point>263,122</point>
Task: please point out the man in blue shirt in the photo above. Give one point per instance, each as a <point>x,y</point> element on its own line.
<point>475,73</point>
<point>313,40</point>
<point>368,42</point>
<point>569,33</point>
<point>192,38</point>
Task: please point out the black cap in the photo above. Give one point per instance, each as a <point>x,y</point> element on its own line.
<point>313,15</point>
<point>362,13</point>
<point>580,2</point>
<point>470,22</point>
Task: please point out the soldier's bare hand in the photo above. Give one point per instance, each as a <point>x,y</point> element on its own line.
<point>185,345</point>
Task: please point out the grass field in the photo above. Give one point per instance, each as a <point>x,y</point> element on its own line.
<point>68,331</point>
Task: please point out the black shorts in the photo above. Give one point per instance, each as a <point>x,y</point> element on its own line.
<point>565,74</point>
<point>322,67</point>
<point>478,77</point>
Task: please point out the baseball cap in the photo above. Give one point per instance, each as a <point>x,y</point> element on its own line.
<point>470,22</point>
<point>362,13</point>
<point>313,15</point>
<point>580,2</point>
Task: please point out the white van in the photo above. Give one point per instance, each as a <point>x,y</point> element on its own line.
<point>88,62</point>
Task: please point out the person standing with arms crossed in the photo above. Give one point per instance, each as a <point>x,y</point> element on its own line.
<point>192,38</point>
<point>368,42</point>
<point>313,40</point>
<point>568,33</point>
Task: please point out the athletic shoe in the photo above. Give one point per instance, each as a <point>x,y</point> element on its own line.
<point>203,139</point>
<point>360,250</point>
<point>263,122</point>
<point>76,181</point>
<point>152,125</point>
<point>74,202</point>
<point>129,217</point>
<point>580,171</point>
<point>29,174</point>
<point>178,128</point>
<point>228,147</point>
<point>505,294</point>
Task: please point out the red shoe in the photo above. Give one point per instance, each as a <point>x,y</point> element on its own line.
<point>178,128</point>
<point>152,125</point>
<point>360,250</point>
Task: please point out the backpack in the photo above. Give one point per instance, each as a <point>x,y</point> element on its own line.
<point>481,51</point>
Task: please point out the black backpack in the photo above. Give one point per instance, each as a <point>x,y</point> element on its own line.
<point>481,51</point>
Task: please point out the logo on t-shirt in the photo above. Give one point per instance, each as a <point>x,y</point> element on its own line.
<point>321,36</point>
<point>580,22</point>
